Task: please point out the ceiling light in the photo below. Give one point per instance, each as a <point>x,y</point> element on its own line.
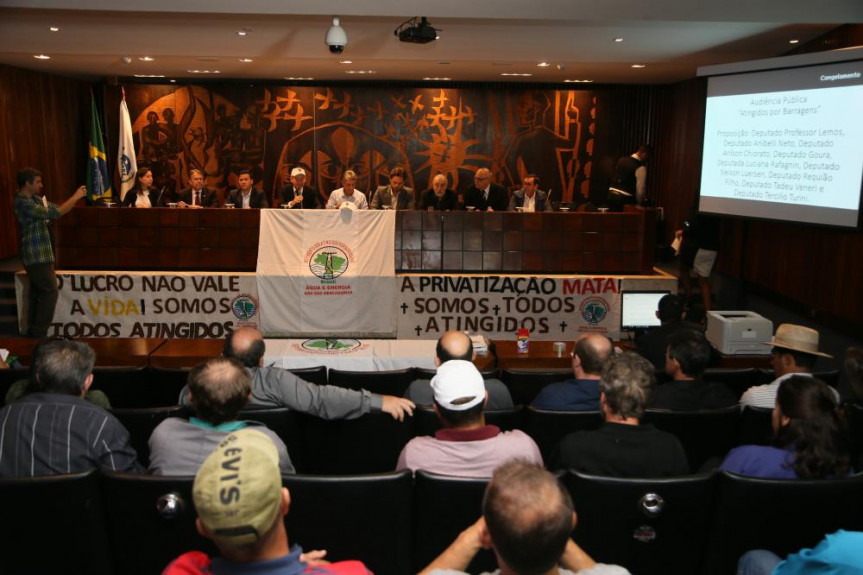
<point>42,57</point>
<point>433,79</point>
<point>297,78</point>
<point>203,71</point>
<point>173,81</point>
<point>794,41</point>
<point>618,40</point>
<point>639,65</point>
<point>577,81</point>
<point>54,29</point>
<point>417,31</point>
<point>336,38</point>
<point>543,64</point>
<point>359,71</point>
<point>243,31</point>
<point>245,60</point>
<point>346,61</point>
<point>514,74</point>
<point>145,59</point>
<point>149,75</point>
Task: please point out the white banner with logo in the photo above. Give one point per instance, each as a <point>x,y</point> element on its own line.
<point>151,304</point>
<point>323,272</point>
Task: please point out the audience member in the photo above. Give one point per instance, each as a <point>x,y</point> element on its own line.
<point>395,196</point>
<point>466,446</point>
<point>297,195</point>
<point>142,194</point>
<point>621,447</point>
<point>653,343</point>
<point>197,195</point>
<point>457,345</point>
<point>795,350</point>
<point>687,358</point>
<point>809,443</point>
<point>53,430</point>
<point>529,198</point>
<point>837,554</point>
<point>276,387</point>
<point>218,389</point>
<point>484,195</point>
<point>348,194</point>
<point>242,512</point>
<point>246,195</point>
<point>589,355</point>
<point>527,519</point>
<point>440,197</point>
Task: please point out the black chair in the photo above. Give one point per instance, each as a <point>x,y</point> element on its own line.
<point>166,384</point>
<point>705,434</point>
<point>547,428</point>
<point>443,508</point>
<point>394,382</point>
<point>783,516</point>
<point>737,380</point>
<point>7,378</point>
<point>151,520</point>
<point>426,373</point>
<point>283,422</point>
<point>366,517</point>
<point>647,525</point>
<point>53,524</point>
<point>756,426</point>
<point>427,422</point>
<point>316,375</point>
<point>853,415</point>
<point>524,385</point>
<point>140,424</point>
<point>124,386</point>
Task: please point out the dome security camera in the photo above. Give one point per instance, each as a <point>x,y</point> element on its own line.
<point>336,38</point>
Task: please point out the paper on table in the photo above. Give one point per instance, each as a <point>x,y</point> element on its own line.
<point>675,245</point>
<point>4,353</point>
<point>480,343</point>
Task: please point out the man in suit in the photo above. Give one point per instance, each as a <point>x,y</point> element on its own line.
<point>246,196</point>
<point>197,195</point>
<point>394,196</point>
<point>485,195</point>
<point>529,198</point>
<point>297,195</point>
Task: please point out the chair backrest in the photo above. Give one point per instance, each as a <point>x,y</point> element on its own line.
<point>283,422</point>
<point>125,386</point>
<point>166,384</point>
<point>647,525</point>
<point>524,385</point>
<point>316,375</point>
<point>9,377</point>
<point>427,422</point>
<point>140,423</point>
<point>783,516</point>
<point>393,382</point>
<point>547,428</point>
<point>443,508</point>
<point>756,426</point>
<point>737,380</point>
<point>427,373</point>
<point>365,517</point>
<point>853,414</point>
<point>151,520</point>
<point>705,434</point>
<point>53,524</point>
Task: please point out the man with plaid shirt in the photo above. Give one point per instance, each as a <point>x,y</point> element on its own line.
<point>37,254</point>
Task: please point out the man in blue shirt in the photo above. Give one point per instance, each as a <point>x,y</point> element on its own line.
<point>581,393</point>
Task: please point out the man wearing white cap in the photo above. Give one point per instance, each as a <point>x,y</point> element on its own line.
<point>297,195</point>
<point>795,349</point>
<point>466,446</point>
<point>241,506</point>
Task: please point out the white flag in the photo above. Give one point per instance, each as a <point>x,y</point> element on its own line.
<point>126,162</point>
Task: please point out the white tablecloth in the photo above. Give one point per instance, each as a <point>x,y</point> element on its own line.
<point>350,354</point>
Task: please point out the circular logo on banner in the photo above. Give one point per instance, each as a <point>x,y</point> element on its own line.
<point>330,344</point>
<point>244,307</point>
<point>328,262</point>
<point>594,310</point>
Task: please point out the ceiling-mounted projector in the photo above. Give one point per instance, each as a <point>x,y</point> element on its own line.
<point>417,30</point>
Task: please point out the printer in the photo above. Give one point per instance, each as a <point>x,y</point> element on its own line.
<point>739,332</point>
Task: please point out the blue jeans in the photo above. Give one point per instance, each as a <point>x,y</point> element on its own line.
<point>757,562</point>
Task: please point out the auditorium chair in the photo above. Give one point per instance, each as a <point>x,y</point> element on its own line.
<point>443,508</point>
<point>524,385</point>
<point>547,427</point>
<point>426,373</point>
<point>853,416</point>
<point>140,423</point>
<point>151,520</point>
<point>756,426</point>
<point>124,386</point>
<point>393,382</point>
<point>705,435</point>
<point>166,384</point>
<point>427,422</point>
<point>53,524</point>
<point>649,526</point>
<point>783,516</point>
<point>365,517</point>
<point>317,375</point>
<point>7,378</point>
<point>283,422</point>
<point>737,380</point>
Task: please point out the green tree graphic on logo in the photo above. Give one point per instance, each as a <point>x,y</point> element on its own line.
<point>331,262</point>
<point>327,344</point>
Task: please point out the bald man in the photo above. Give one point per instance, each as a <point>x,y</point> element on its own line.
<point>581,393</point>
<point>457,345</point>
<point>485,195</point>
<point>276,387</point>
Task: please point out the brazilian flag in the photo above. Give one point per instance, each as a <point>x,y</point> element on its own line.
<point>98,182</point>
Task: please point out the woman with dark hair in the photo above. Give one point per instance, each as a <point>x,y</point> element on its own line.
<point>142,194</point>
<point>808,444</point>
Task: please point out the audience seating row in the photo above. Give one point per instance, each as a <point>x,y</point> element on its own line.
<point>104,523</point>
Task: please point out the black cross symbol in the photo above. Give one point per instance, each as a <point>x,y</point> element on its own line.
<point>563,325</point>
<point>418,329</point>
<point>404,307</point>
<point>496,309</point>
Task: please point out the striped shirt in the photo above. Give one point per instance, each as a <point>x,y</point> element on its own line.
<point>765,395</point>
<point>33,216</point>
<point>52,433</point>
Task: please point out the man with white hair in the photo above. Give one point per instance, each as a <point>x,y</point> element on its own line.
<point>466,446</point>
<point>348,194</point>
<point>440,197</point>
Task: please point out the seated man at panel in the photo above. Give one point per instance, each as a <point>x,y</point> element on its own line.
<point>589,355</point>
<point>527,519</point>
<point>218,389</point>
<point>484,195</point>
<point>653,343</point>
<point>687,358</point>
<point>795,350</point>
<point>246,196</point>
<point>394,196</point>
<point>53,430</point>
<point>243,513</point>
<point>348,194</point>
<point>276,387</point>
<point>197,195</point>
<point>466,446</point>
<point>621,447</point>
<point>529,198</point>
<point>440,197</point>
<point>457,345</point>
<point>297,195</point>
